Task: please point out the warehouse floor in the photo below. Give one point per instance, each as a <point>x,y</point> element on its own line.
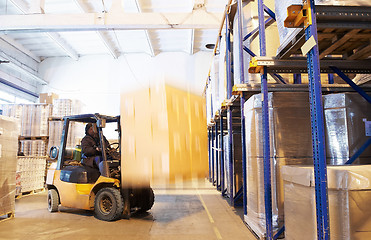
<point>178,214</point>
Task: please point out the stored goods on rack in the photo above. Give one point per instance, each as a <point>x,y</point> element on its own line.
<point>236,149</point>
<point>290,142</point>
<point>250,22</point>
<point>349,194</point>
<point>9,129</point>
<point>345,114</point>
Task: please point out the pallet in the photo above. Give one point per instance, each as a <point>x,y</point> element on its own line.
<point>345,44</point>
<point>43,138</point>
<point>343,33</point>
<point>29,193</point>
<point>8,215</point>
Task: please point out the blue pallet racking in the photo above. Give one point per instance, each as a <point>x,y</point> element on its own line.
<point>303,16</point>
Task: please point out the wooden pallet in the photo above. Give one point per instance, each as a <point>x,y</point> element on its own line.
<point>344,32</point>
<point>29,193</point>
<point>7,216</point>
<point>43,138</point>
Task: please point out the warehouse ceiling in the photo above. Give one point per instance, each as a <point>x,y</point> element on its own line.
<point>33,30</point>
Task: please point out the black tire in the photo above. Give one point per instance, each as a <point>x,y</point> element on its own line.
<point>147,199</point>
<point>53,200</point>
<point>108,204</point>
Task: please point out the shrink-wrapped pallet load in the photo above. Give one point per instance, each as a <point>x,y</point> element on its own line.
<point>34,122</point>
<point>290,144</point>
<point>236,153</point>
<point>9,130</point>
<point>349,196</point>
<point>31,173</point>
<point>345,116</point>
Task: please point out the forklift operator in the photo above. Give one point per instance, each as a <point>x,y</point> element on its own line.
<point>91,150</point>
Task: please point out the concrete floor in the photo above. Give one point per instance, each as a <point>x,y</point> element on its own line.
<point>178,214</point>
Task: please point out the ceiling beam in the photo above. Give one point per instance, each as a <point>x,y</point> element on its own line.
<point>37,6</point>
<point>150,45</point>
<point>192,41</point>
<point>63,45</point>
<point>84,6</point>
<point>11,53</point>
<point>20,47</point>
<point>109,21</point>
<point>20,5</point>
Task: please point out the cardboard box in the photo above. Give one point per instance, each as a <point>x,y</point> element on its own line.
<point>9,129</point>
<point>48,97</point>
<point>164,135</point>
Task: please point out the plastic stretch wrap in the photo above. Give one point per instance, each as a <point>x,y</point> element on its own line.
<point>34,122</point>
<point>209,107</point>
<point>249,23</point>
<point>236,149</point>
<point>290,144</point>
<point>31,173</point>
<point>75,133</point>
<point>349,194</point>
<point>214,80</point>
<point>345,129</point>
<point>9,130</point>
<point>226,164</point>
<point>66,107</point>
<point>222,70</point>
<point>286,34</point>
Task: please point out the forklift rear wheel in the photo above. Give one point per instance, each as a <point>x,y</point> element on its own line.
<point>53,200</point>
<point>108,205</point>
<point>148,199</point>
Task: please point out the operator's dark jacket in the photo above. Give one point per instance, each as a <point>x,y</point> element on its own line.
<point>88,147</point>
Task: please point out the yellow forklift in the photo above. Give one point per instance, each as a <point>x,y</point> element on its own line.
<point>74,185</point>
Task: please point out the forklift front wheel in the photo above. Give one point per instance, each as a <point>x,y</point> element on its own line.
<point>53,200</point>
<point>108,205</point>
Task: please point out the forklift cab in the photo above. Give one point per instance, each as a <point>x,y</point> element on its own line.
<point>71,184</point>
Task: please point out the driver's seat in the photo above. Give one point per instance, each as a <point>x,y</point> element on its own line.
<point>79,174</point>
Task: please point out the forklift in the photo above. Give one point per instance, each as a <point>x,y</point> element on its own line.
<point>71,184</point>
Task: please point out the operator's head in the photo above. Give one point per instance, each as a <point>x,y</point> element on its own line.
<point>87,127</point>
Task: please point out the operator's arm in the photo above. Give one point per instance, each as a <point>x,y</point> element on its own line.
<point>106,143</point>
<point>88,147</point>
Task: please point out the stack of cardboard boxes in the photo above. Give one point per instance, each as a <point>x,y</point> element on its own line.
<point>8,163</point>
<point>163,135</point>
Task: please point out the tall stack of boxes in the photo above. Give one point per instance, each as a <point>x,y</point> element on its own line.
<point>34,122</point>
<point>35,125</point>
<point>163,135</point>
<point>61,108</point>
<point>9,129</point>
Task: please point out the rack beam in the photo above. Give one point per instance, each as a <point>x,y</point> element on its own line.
<point>300,65</point>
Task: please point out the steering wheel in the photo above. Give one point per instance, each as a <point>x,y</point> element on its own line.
<point>115,143</point>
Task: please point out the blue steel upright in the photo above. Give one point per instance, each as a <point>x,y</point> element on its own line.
<point>242,103</point>
<point>216,155</point>
<point>265,116</point>
<point>317,123</point>
<point>229,95</point>
<point>210,149</point>
<point>221,187</point>
<point>212,155</point>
